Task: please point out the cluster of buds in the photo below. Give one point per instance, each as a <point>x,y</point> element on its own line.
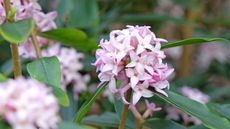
<point>28,104</point>
<point>134,57</point>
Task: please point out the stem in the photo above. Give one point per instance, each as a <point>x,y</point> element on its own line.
<point>125,110</point>
<point>186,58</point>
<point>13,46</point>
<point>16,60</point>
<point>139,119</point>
<point>36,44</point>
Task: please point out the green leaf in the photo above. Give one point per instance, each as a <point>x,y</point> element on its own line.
<point>86,106</point>
<point>162,124</point>
<point>17,32</point>
<point>2,78</point>
<point>4,125</point>
<point>222,110</point>
<point>68,113</point>
<point>71,37</point>
<point>47,70</point>
<point>61,96</point>
<point>107,119</point>
<point>70,125</point>
<point>192,41</point>
<point>196,109</point>
<point>198,127</point>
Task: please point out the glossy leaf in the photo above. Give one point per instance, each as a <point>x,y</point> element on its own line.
<point>198,110</point>
<point>222,110</point>
<point>71,37</point>
<point>70,125</point>
<point>17,32</point>
<point>162,124</point>
<point>47,70</point>
<point>86,106</point>
<point>192,41</point>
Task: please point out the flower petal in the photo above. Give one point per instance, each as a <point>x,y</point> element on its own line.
<point>136,97</point>
<point>146,93</point>
<point>134,80</point>
<point>112,85</point>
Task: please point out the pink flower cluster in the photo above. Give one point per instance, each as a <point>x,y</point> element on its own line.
<point>133,56</point>
<point>28,104</point>
<point>194,94</point>
<point>70,66</point>
<point>26,9</point>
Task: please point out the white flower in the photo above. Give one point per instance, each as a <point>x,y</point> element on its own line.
<point>28,104</point>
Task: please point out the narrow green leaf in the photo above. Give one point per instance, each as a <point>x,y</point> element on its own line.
<point>86,106</point>
<point>222,110</point>
<point>192,41</point>
<point>196,109</point>
<point>70,125</point>
<point>162,124</point>
<point>71,37</point>
<point>107,119</point>
<point>17,32</point>
<point>2,78</point>
<point>47,70</point>
<point>198,127</point>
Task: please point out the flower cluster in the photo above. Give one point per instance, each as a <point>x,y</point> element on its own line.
<point>133,56</point>
<point>28,104</point>
<point>192,93</point>
<point>71,64</point>
<point>26,9</point>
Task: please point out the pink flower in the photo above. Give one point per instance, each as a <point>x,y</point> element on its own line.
<point>133,55</point>
<point>28,104</point>
<point>26,9</point>
<point>195,94</point>
<point>152,107</point>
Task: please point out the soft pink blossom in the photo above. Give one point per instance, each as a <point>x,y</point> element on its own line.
<point>26,9</point>
<point>133,56</point>
<point>28,104</point>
